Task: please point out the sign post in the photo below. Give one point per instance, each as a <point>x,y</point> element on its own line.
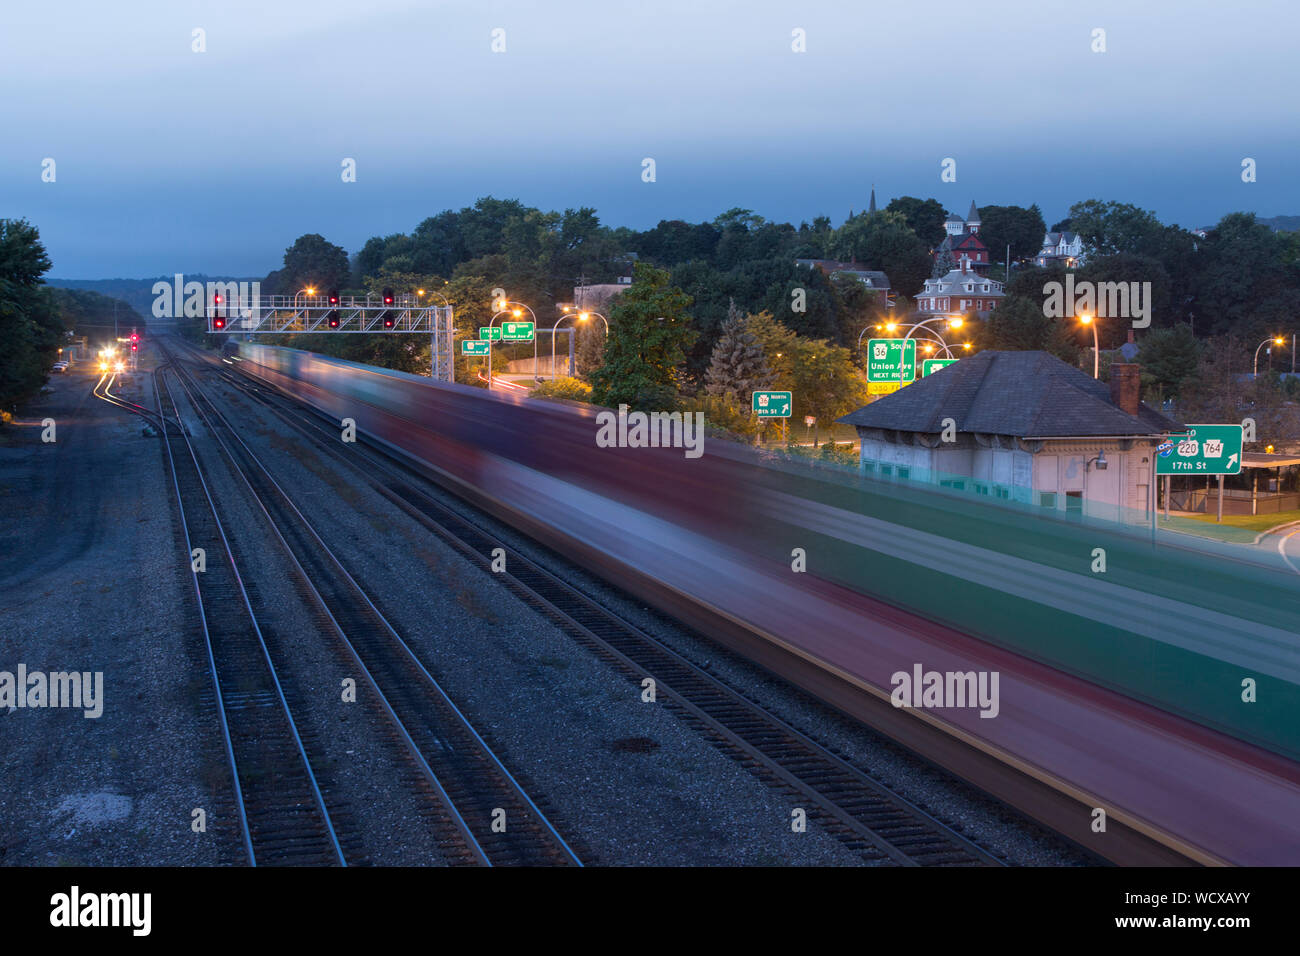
<point>1201,450</point>
<point>891,364</point>
<point>773,405</point>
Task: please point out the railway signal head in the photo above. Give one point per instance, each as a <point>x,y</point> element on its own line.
<point>134,347</point>
<point>334,297</point>
<point>334,319</point>
<point>216,298</point>
<point>134,338</point>
<point>218,323</point>
<point>388,297</point>
<point>388,321</point>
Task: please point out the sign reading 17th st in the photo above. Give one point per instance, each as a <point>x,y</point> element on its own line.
<point>773,404</point>
<point>884,357</point>
<point>1203,450</point>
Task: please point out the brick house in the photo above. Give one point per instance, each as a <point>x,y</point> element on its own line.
<point>963,291</point>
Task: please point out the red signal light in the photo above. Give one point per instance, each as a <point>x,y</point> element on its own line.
<point>388,297</point>
<point>388,321</point>
<point>334,320</point>
<point>334,298</point>
<point>216,298</point>
<point>218,323</point>
<point>134,347</point>
<point>134,338</point>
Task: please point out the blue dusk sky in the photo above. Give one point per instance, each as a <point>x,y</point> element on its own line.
<point>168,160</point>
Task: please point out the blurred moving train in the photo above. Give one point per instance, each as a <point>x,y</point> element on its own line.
<point>896,575</point>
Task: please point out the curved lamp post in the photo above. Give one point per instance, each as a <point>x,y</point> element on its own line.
<point>1275,340</point>
<point>582,317</point>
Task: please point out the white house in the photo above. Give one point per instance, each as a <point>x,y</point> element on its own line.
<point>1065,248</point>
<point>1022,426</point>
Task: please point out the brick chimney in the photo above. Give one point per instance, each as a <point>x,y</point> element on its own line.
<point>1126,386</point>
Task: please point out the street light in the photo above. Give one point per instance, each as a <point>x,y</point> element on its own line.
<point>954,322</point>
<point>516,311</point>
<point>1096,348</point>
<point>1277,340</point>
<point>582,317</point>
<point>309,290</point>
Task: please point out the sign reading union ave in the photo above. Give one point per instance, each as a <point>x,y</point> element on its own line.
<point>884,356</point>
<point>1202,450</point>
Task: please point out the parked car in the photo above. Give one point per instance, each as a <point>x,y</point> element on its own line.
<point>60,366</point>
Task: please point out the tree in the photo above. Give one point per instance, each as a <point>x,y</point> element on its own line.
<point>312,261</point>
<point>737,367</point>
<point>1022,228</point>
<point>885,242</point>
<point>925,217</point>
<point>649,335</point>
<point>825,382</point>
<point>29,319</point>
<point>778,347</point>
<point>1110,227</point>
<point>1169,358</point>
<point>943,262</point>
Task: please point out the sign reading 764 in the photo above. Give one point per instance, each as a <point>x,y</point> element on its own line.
<point>1202,450</point>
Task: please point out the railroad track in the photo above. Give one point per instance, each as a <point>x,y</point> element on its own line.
<point>282,814</point>
<point>870,818</point>
<point>494,821</point>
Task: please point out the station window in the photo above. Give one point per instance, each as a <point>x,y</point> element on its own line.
<point>981,489</point>
<point>1047,499</point>
<point>955,483</point>
<point>1001,491</point>
<point>904,472</point>
<point>1074,502</point>
<point>886,470</point>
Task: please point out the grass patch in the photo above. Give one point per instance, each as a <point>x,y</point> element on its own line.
<point>1254,523</point>
<point>1234,529</point>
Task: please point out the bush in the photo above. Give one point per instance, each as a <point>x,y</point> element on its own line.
<point>724,413</point>
<point>566,388</point>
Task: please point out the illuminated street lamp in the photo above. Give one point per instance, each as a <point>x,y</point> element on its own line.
<point>309,290</point>
<point>581,317</point>
<point>1096,349</point>
<point>516,309</point>
<point>1277,340</point>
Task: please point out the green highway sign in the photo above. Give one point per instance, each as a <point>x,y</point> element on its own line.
<point>474,346</point>
<point>492,334</point>
<point>930,366</point>
<point>1201,450</point>
<point>884,357</point>
<point>773,404</point>
<point>517,331</point>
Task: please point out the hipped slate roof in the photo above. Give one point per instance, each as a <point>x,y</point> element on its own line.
<point>1020,394</point>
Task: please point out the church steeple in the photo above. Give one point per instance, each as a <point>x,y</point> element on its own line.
<point>871,209</point>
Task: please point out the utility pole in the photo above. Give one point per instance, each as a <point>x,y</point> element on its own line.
<point>1008,263</point>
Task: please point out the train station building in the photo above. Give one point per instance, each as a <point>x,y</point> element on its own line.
<point>1022,426</point>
